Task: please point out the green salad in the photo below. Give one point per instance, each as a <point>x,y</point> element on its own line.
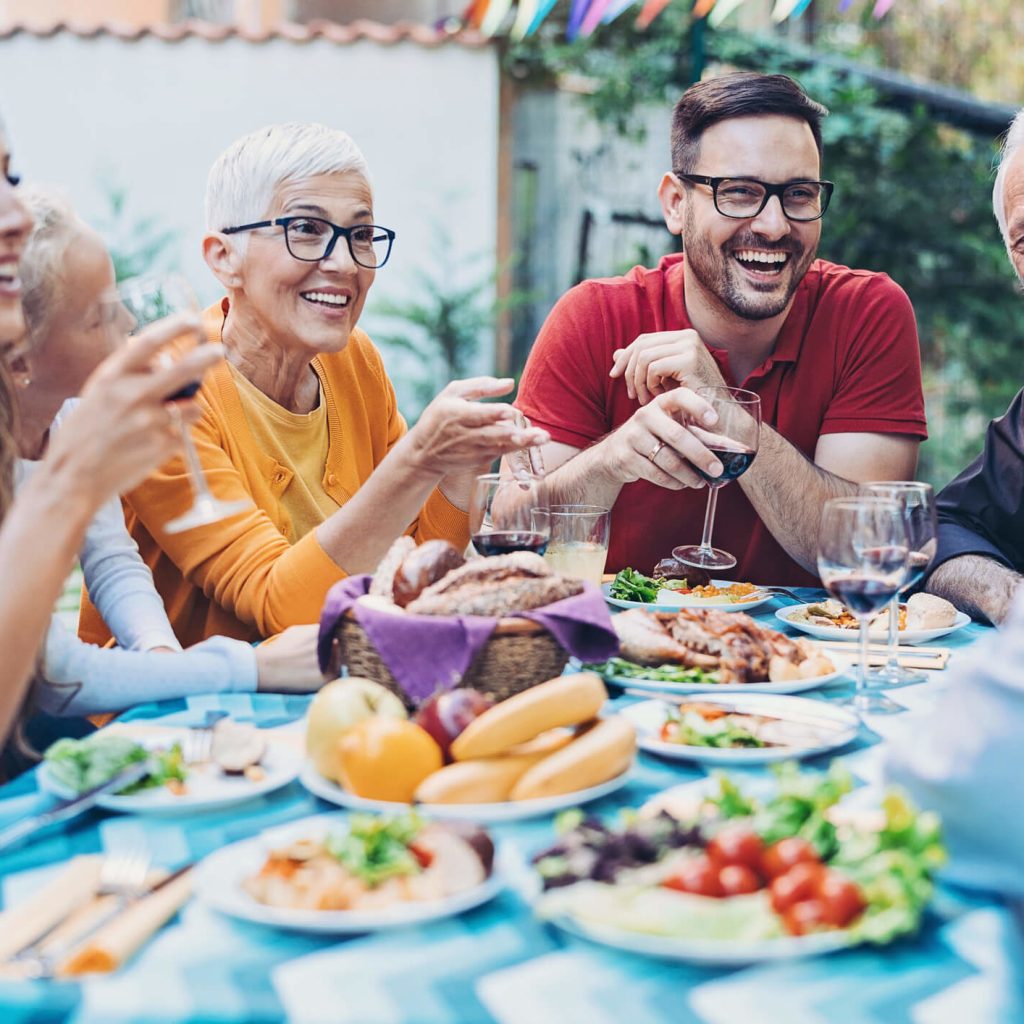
<point>659,673</point>
<point>691,729</point>
<point>631,585</point>
<point>378,848</point>
<point>81,765</point>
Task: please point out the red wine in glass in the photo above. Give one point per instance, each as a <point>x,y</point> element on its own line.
<point>735,462</point>
<point>504,543</point>
<point>863,595</point>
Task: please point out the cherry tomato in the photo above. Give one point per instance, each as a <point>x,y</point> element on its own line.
<point>781,856</point>
<point>670,732</point>
<point>842,899</point>
<point>736,879</point>
<point>698,876</point>
<point>804,917</point>
<point>737,845</point>
<point>801,882</point>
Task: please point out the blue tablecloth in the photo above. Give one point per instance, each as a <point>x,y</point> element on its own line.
<point>496,963</point>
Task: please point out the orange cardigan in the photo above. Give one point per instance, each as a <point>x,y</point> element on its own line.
<point>248,577</point>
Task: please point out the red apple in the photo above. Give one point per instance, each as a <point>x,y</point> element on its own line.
<point>446,714</point>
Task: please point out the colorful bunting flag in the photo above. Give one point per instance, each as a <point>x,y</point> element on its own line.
<point>882,8</point>
<point>525,14</point>
<point>576,15</point>
<point>650,10</point>
<point>496,11</point>
<point>543,10</point>
<point>475,12</point>
<point>844,5</point>
<point>593,17</point>
<point>615,8</point>
<point>702,8</point>
<point>722,10</point>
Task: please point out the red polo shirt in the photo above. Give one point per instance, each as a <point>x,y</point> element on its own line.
<point>847,361</point>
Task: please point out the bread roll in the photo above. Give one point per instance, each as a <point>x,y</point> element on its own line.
<point>383,582</point>
<point>422,567</point>
<point>926,611</point>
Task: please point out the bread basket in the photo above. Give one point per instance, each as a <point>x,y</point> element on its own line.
<point>519,654</point>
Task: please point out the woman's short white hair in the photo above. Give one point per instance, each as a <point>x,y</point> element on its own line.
<point>1013,141</point>
<point>243,178</point>
<point>55,228</point>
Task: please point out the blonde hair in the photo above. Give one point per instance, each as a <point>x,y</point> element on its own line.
<point>243,178</point>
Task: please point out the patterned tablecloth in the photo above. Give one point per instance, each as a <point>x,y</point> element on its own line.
<point>496,963</point>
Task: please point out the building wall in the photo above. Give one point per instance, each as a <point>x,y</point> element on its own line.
<point>151,116</point>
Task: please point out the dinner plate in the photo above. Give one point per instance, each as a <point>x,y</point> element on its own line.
<point>837,727</point>
<point>219,883</point>
<point>207,786</point>
<point>667,601</point>
<point>906,636</point>
<point>707,952</point>
<point>842,666</point>
<point>509,810</point>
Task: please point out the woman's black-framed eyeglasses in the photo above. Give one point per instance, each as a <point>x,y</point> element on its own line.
<point>747,197</point>
<point>312,239</point>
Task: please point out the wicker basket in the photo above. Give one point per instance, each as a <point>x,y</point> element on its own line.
<point>519,654</point>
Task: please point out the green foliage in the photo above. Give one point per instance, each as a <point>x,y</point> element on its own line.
<point>136,246</point>
<point>913,199</point>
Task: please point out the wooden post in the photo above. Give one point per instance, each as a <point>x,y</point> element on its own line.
<point>507,96</point>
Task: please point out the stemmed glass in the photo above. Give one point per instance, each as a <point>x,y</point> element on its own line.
<point>862,560</point>
<point>149,299</point>
<point>734,441</point>
<point>918,503</point>
<point>510,512</point>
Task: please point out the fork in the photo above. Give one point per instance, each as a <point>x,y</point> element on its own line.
<point>122,876</point>
<point>197,747</point>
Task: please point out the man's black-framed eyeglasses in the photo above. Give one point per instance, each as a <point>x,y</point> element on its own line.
<point>312,239</point>
<point>747,197</point>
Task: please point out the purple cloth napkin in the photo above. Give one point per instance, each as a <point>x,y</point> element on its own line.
<point>426,653</point>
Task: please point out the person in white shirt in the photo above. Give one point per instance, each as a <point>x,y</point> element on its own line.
<point>74,321</point>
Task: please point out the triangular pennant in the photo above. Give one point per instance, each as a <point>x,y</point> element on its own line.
<point>702,8</point>
<point>650,10</point>
<point>496,11</point>
<point>543,10</point>
<point>524,18</point>
<point>882,8</point>
<point>796,9</point>
<point>576,15</point>
<point>474,14</point>
<point>782,10</point>
<point>615,8</point>
<point>722,10</point>
<point>593,16</point>
<point>844,5</point>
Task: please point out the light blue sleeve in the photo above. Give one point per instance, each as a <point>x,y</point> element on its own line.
<point>82,679</point>
<point>119,581</point>
<point>965,762</point>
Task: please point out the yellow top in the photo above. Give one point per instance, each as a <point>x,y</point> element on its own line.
<point>243,577</point>
<point>298,441</point>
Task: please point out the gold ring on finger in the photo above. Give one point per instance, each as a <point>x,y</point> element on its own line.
<point>655,451</point>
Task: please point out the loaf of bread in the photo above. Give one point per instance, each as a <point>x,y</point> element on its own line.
<point>926,611</point>
<point>383,582</point>
<point>422,568</point>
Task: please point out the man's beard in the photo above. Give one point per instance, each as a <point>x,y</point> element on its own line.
<point>714,270</point>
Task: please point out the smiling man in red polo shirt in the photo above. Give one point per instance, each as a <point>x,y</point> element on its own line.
<point>832,352</point>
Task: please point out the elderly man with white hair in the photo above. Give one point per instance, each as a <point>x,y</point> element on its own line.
<point>980,559</point>
<point>965,761</point>
<point>301,417</point>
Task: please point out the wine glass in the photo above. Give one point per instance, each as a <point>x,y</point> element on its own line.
<point>149,299</point>
<point>862,560</point>
<point>918,503</point>
<point>734,441</point>
<point>510,512</point>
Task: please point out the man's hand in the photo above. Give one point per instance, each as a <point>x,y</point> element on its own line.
<point>657,363</point>
<point>653,444</point>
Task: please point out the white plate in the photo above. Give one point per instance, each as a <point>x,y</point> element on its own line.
<point>673,602</point>
<point>709,952</point>
<point>219,883</point>
<point>510,810</point>
<point>842,666</point>
<point>207,787</point>
<point>837,724</point>
<point>906,636</point>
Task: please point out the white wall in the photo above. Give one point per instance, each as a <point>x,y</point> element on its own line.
<point>152,116</point>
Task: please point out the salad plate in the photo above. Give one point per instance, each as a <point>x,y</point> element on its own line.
<point>490,813</point>
<point>220,881</point>
<point>790,727</point>
<point>906,636</point>
<point>205,787</point>
<point>672,601</point>
<point>653,684</point>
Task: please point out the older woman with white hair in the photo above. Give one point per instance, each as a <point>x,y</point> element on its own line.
<point>301,417</point>
<point>73,321</point>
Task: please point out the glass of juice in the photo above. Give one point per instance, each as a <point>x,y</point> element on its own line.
<point>579,541</point>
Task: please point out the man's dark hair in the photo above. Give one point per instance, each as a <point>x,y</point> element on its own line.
<point>740,94</point>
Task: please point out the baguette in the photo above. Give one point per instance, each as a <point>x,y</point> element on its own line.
<point>489,779</point>
<point>566,700</point>
<point>604,751</point>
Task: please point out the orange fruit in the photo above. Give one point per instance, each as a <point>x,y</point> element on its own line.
<point>387,758</point>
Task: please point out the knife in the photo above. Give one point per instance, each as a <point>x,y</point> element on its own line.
<point>67,809</point>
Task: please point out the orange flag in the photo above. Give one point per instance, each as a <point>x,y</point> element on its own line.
<point>702,8</point>
<point>650,10</point>
<point>474,14</point>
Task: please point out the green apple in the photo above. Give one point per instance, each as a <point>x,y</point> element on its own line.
<point>335,709</point>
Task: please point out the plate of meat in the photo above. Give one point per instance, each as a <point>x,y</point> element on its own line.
<point>706,651</point>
